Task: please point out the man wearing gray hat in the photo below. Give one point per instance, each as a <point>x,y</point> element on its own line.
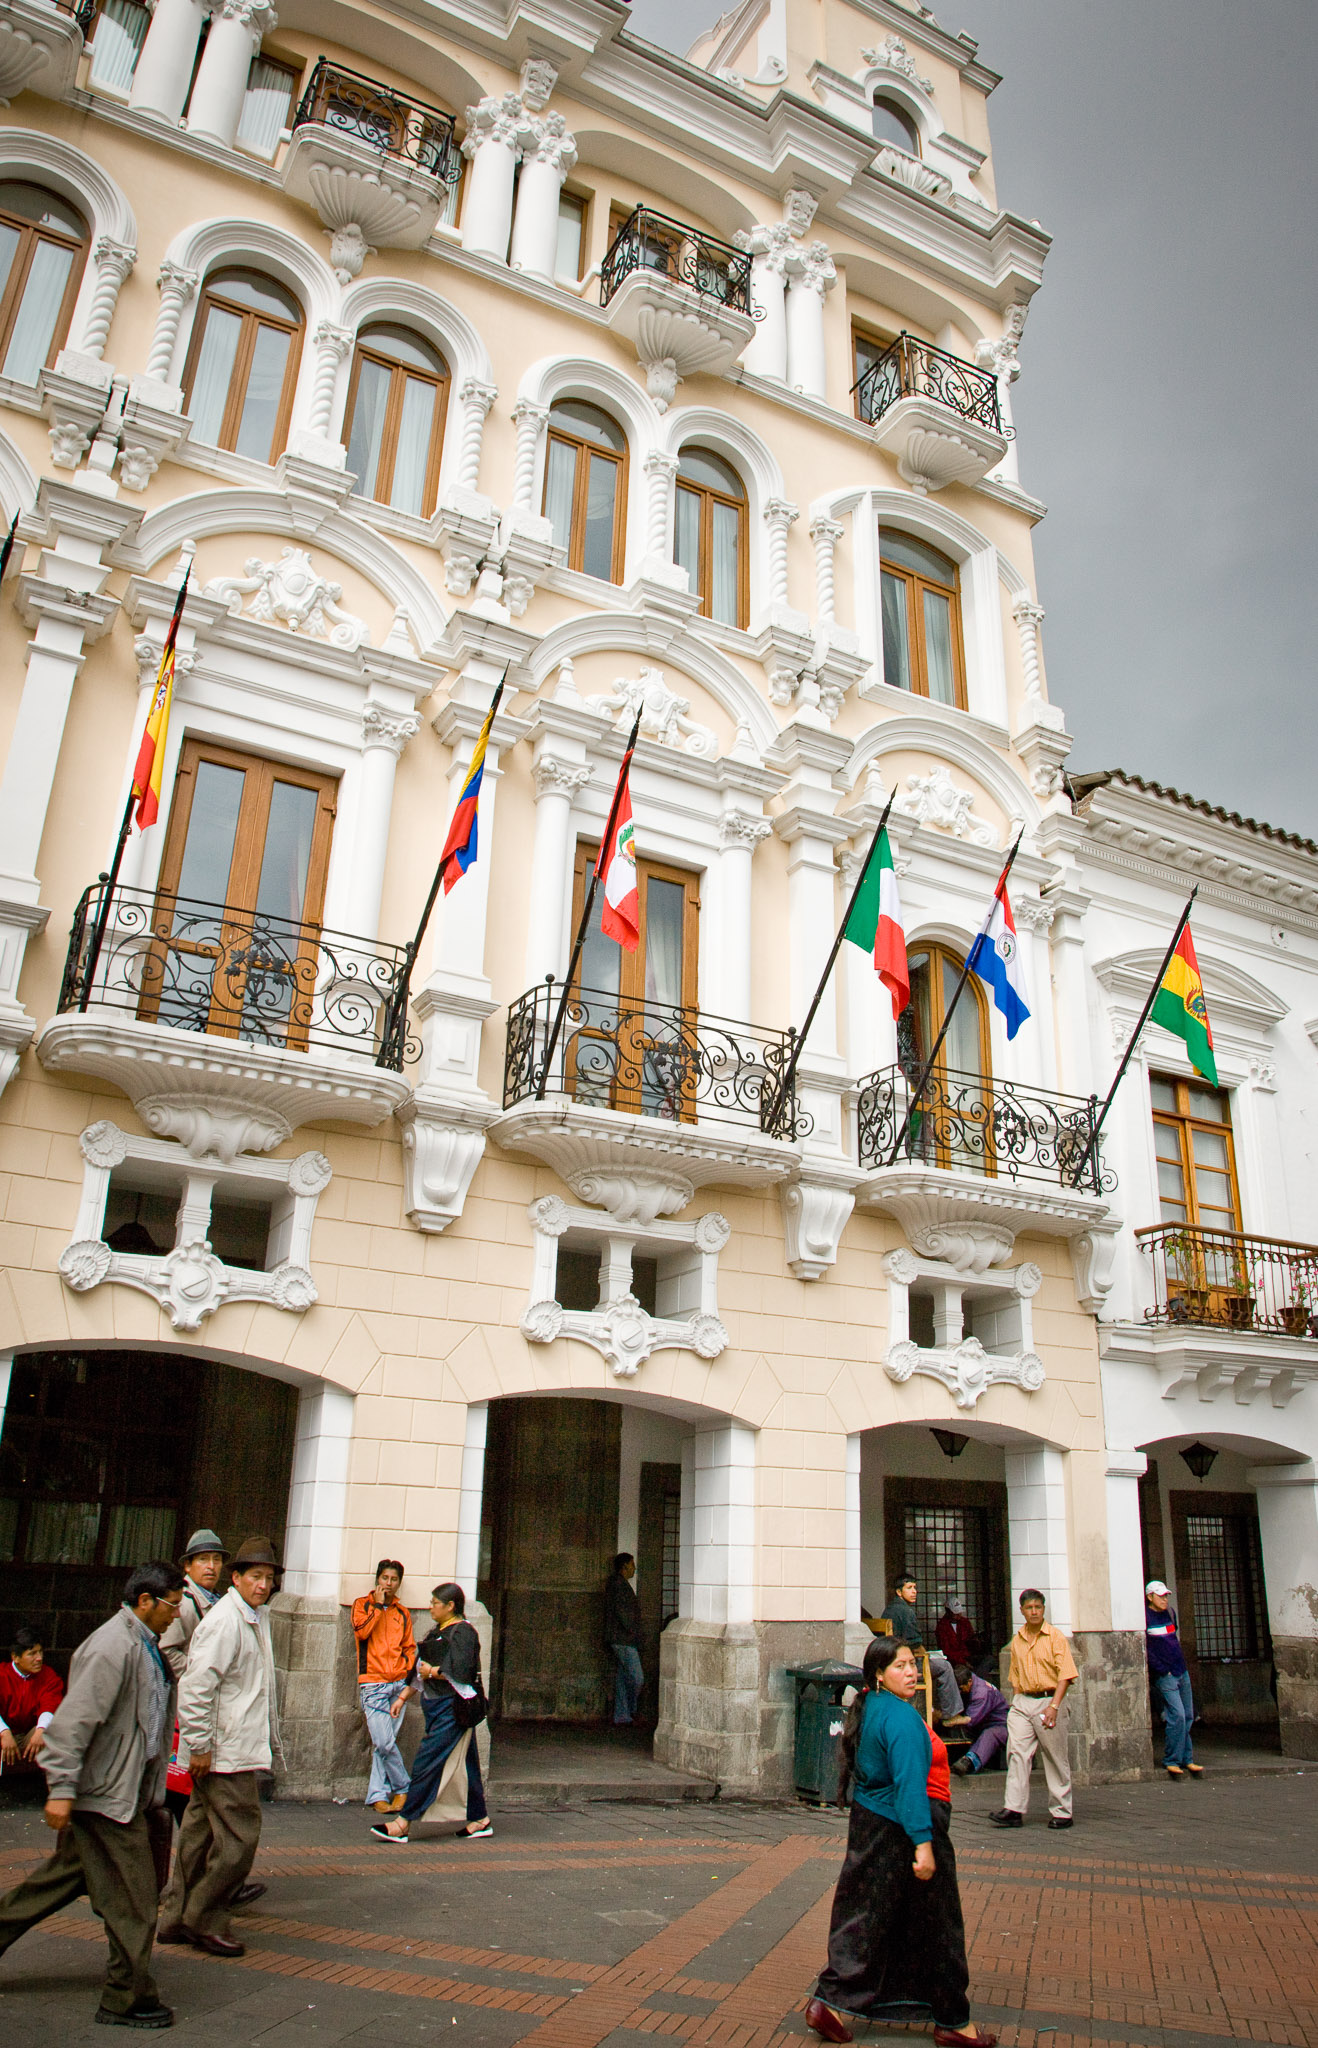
<point>203,1565</point>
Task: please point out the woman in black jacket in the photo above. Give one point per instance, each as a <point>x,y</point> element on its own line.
<point>448,1677</point>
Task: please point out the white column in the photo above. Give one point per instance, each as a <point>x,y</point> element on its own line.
<point>476,399</point>
<point>491,147</point>
<point>686,1540</point>
<point>1075,1053</point>
<point>164,69</point>
<point>530,421</point>
<point>557,783</point>
<point>466,1566</point>
<point>112,262</point>
<point>331,344</point>
<point>851,1525</point>
<point>384,735</point>
<point>1288,1532</point>
<point>813,275</point>
<point>723,1524</point>
<point>765,354</point>
<point>660,473</point>
<point>740,832</point>
<point>177,287</point>
<point>460,916</point>
<point>779,517</point>
<point>237,27</point>
<point>548,157</point>
<point>1029,616</point>
<point>825,533</point>
<point>1036,1528</point>
<point>1125,1551</point>
<point>318,1495</point>
<point>55,654</point>
<point>812,917</point>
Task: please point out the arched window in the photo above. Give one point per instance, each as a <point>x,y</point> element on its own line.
<point>710,534</point>
<point>920,595</point>
<point>586,488</point>
<point>242,364</point>
<point>953,1126</point>
<point>395,418</point>
<point>43,247</point>
<point>893,124</point>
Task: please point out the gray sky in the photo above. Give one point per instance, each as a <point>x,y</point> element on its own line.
<point>1168,407</point>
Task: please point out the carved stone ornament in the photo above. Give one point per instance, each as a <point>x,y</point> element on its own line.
<point>213,1126</point>
<point>103,1144</point>
<point>894,56</point>
<point>711,1232</point>
<point>663,713</point>
<point>902,1266</point>
<point>291,592</point>
<point>968,1247</point>
<point>934,799</point>
<point>189,1283</point>
<point>967,1370</point>
<point>814,1218</point>
<point>549,1216</point>
<point>623,1334</point>
<point>309,1174</point>
<point>636,1197</point>
<point>84,1265</point>
<point>1093,1262</point>
<point>909,171</point>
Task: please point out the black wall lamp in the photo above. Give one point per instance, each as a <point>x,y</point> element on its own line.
<point>1201,1459</point>
<point>949,1443</point>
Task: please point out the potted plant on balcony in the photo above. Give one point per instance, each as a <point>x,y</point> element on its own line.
<point>1297,1317</point>
<point>1188,1299</point>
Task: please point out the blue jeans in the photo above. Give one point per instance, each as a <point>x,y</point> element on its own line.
<point>442,1733</point>
<point>628,1681</point>
<point>1173,1689</point>
<point>388,1771</point>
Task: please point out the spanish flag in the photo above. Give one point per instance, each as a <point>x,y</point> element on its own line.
<point>1180,1008</point>
<point>149,772</point>
<point>460,847</point>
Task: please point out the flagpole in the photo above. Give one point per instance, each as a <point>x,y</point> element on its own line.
<point>913,1100</point>
<point>1134,1039</point>
<point>606,844</point>
<point>7,550</point>
<point>110,879</point>
<point>784,1089</point>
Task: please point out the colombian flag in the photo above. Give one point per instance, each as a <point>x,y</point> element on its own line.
<point>150,769</point>
<point>460,847</point>
<point>1179,1007</point>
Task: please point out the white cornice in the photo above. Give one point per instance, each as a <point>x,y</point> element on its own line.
<point>1136,830</point>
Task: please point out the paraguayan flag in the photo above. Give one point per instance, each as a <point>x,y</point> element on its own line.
<point>996,958</point>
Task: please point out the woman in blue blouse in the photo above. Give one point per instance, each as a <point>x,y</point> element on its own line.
<point>896,1943</point>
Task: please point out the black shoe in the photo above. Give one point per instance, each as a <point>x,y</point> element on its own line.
<point>963,1767</point>
<point>1009,1818</point>
<point>247,1894</point>
<point>1067,1823</point>
<point>146,2013</point>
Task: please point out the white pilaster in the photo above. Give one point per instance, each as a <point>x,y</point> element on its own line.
<point>384,735</point>
<point>557,784</point>
<point>765,354</point>
<point>460,915</point>
<point>780,518</point>
<point>1029,616</point>
<point>237,27</point>
<point>530,421</point>
<point>1036,1528</point>
<point>1125,1552</point>
<point>492,146</point>
<point>660,475</point>
<point>331,344</point>
<point>476,400</point>
<point>740,832</point>
<point>851,1526</point>
<point>723,1524</point>
<point>164,69</point>
<point>112,262</point>
<point>318,1495</point>
<point>177,287</point>
<point>1288,1531</point>
<point>548,156</point>
<point>825,533</point>
<point>466,1566</point>
<point>813,275</point>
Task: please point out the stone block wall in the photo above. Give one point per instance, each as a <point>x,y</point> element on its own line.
<point>726,1704</point>
<point>1296,1660</point>
<point>1109,1736</point>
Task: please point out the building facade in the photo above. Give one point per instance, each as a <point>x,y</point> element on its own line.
<point>483,343</point>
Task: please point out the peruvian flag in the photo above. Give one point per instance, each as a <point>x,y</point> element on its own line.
<point>620,912</point>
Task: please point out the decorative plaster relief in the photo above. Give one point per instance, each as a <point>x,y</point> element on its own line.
<point>934,799</point>
<point>959,1361</point>
<point>619,1328</point>
<point>894,56</point>
<point>815,1214</point>
<point>663,713</point>
<point>291,592</point>
<point>967,1371</point>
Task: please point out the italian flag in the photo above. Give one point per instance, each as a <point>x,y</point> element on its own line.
<point>1180,1008</point>
<point>876,925</point>
<point>620,912</point>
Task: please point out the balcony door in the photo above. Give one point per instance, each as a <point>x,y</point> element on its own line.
<point>634,1045</point>
<point>954,1123</point>
<point>1196,1157</point>
<point>242,887</point>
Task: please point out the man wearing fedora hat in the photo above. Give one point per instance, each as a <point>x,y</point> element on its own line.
<point>228,1735</point>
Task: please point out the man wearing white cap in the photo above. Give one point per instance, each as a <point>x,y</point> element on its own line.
<point>1169,1678</point>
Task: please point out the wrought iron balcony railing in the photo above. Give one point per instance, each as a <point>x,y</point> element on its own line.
<point>1229,1281</point>
<point>916,369</point>
<point>651,1059</point>
<point>84,12</point>
<point>237,974</point>
<point>375,114</point>
<point>974,1124</point>
<point>650,241</point>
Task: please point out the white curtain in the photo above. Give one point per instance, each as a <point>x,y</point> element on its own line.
<point>210,386</point>
<point>120,34</point>
<point>266,107</point>
<point>413,456</point>
<point>265,388</point>
<point>560,484</point>
<point>686,540</point>
<point>664,905</point>
<point>367,430</point>
<point>34,329</point>
<point>725,580</point>
<point>938,648</point>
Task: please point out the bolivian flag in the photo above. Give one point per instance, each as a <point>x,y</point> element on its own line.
<point>150,770</point>
<point>460,847</point>
<point>1180,1008</point>
<point>876,925</point>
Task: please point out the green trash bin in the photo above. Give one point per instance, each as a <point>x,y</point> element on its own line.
<point>819,1711</point>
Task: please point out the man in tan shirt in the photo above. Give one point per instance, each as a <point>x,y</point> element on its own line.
<point>1042,1671</point>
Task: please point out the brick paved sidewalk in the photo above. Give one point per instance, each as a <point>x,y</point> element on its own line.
<point>1176,1915</point>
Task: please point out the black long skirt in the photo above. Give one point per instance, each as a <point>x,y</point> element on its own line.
<point>897,1946</point>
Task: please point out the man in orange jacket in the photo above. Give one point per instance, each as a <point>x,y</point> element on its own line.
<point>386,1659</point>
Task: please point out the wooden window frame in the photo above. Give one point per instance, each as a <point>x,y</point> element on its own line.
<point>1183,1122</point>
<point>940,955</point>
<point>243,880</point>
<point>915,586</point>
<point>213,296</point>
<point>296,68</point>
<point>863,332</point>
<point>916,148</point>
<point>709,497</point>
<point>583,200</point>
<point>16,287</point>
<point>393,416</point>
<point>631,997</point>
<point>576,550</point>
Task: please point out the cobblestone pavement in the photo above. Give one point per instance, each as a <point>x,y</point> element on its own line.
<point>1173,1914</point>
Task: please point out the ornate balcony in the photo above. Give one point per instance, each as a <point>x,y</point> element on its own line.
<point>937,414</point>
<point>645,1102</point>
<point>374,163</point>
<point>41,42</point>
<point>227,1028</point>
<point>1224,1280</point>
<point>682,298</point>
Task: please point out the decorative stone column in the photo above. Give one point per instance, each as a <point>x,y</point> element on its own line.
<point>1003,358</point>
<point>1029,616</point>
<point>779,517</point>
<point>765,354</point>
<point>476,399</point>
<point>177,287</point>
<point>331,344</point>
<point>740,832</point>
<point>1288,1530</point>
<point>813,276</point>
<point>530,421</point>
<point>237,27</point>
<point>491,146</point>
<point>318,1495</point>
<point>1036,1529</point>
<point>558,782</point>
<point>112,262</point>
<point>384,735</point>
<point>825,533</point>
<point>546,161</point>
<point>660,475</point>
<point>164,69</point>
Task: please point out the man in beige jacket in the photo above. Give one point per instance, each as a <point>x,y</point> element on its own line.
<point>105,1758</point>
<point>228,1735</point>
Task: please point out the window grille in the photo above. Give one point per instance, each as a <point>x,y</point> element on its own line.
<point>670,1568</point>
<point>946,1550</point>
<point>1226,1580</point>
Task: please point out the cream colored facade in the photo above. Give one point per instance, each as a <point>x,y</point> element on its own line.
<point>816,1311</point>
